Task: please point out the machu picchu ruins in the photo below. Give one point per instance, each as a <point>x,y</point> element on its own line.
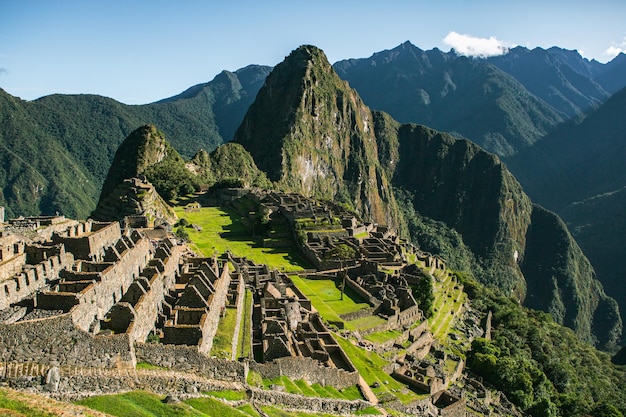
<point>84,302</point>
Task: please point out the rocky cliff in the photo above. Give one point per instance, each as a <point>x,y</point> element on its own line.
<point>312,134</point>
<point>520,248</point>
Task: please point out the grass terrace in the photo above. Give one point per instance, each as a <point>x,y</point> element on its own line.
<point>314,390</point>
<point>449,299</point>
<point>370,365</point>
<point>325,296</point>
<point>244,343</point>
<point>222,342</point>
<point>223,230</point>
<point>147,404</point>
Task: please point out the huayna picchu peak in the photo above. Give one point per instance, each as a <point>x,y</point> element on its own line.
<point>312,134</point>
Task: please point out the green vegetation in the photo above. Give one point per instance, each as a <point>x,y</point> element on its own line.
<point>223,230</point>
<point>541,366</point>
<point>212,407</point>
<point>231,165</point>
<point>448,301</point>
<point>488,106</point>
<point>55,151</point>
<point>222,342</point>
<point>326,297</point>
<point>143,404</point>
<point>229,395</point>
<point>146,365</point>
<point>315,390</point>
<point>382,337</point>
<point>370,365</point>
<point>244,346</point>
<point>16,405</point>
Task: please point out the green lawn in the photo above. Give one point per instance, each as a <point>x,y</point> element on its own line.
<point>326,297</point>
<point>212,407</point>
<point>222,342</point>
<point>316,390</point>
<point>382,337</point>
<point>370,365</point>
<point>223,230</point>
<point>19,406</point>
<point>244,345</point>
<point>143,404</point>
<point>229,395</point>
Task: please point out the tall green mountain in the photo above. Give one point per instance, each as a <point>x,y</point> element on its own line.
<point>146,152</point>
<point>37,173</point>
<point>312,134</point>
<point>57,150</point>
<point>451,93</point>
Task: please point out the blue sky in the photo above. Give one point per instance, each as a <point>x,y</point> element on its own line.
<point>142,51</point>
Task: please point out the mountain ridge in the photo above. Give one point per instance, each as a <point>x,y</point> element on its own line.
<point>451,93</point>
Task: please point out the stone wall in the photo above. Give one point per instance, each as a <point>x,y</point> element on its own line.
<point>189,359</point>
<point>212,319</point>
<point>310,404</point>
<point>57,341</point>
<point>364,312</point>
<point>30,278</point>
<point>88,240</point>
<point>431,386</point>
<point>149,304</point>
<point>362,292</point>
<point>114,282</point>
<point>307,369</point>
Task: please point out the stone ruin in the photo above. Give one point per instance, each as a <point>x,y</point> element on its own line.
<point>89,294</point>
<point>288,338</point>
<point>91,286</point>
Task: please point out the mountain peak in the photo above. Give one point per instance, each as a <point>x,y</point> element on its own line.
<point>312,134</point>
<point>146,153</point>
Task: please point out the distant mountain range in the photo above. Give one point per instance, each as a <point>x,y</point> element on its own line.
<point>56,151</point>
<point>542,110</point>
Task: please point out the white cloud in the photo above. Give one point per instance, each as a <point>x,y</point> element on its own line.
<point>472,46</point>
<point>615,49</point>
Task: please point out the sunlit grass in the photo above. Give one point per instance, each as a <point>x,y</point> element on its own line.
<point>448,301</point>
<point>223,230</point>
<point>326,297</point>
<point>370,365</point>
<point>382,337</point>
<point>222,342</point>
<point>143,404</point>
<point>244,345</point>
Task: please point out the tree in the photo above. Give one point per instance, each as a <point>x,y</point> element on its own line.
<point>606,410</point>
<point>424,294</point>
